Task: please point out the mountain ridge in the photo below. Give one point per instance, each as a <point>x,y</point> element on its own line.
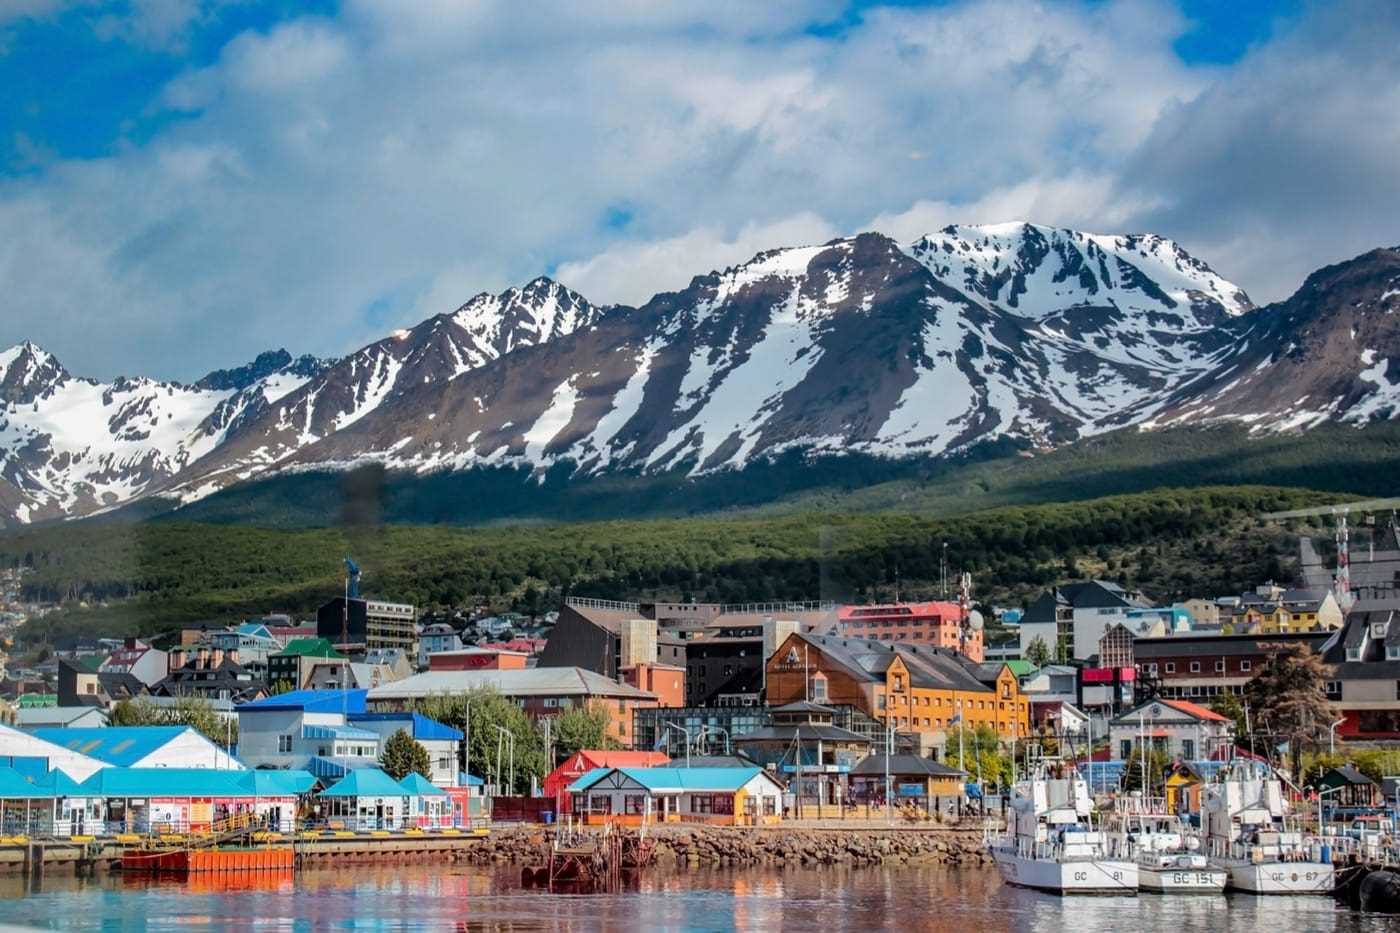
<point>1031,334</point>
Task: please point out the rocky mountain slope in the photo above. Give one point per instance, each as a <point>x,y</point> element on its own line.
<point>863,344</point>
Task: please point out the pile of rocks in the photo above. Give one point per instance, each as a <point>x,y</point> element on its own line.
<point>680,844</point>
<point>726,846</point>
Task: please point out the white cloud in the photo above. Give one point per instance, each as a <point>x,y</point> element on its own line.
<point>630,273</point>
<point>402,156</point>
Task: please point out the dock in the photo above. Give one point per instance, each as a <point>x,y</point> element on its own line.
<point>33,857</point>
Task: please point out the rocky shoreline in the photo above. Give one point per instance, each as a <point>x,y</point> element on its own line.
<point>710,846</point>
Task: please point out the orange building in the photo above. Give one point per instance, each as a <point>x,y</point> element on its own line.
<point>913,688</point>
<point>477,659</point>
<point>667,681</point>
<point>935,623</point>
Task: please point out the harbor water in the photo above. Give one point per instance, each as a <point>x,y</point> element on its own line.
<point>490,898</point>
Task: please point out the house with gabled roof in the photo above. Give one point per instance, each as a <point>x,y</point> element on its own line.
<point>912,688</point>
<point>637,796</point>
<point>1179,728</point>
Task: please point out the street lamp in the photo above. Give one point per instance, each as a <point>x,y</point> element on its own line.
<point>706,730</point>
<point>684,732</point>
<point>1332,735</point>
<point>504,734</point>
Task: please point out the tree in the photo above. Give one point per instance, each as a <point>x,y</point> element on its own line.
<point>1156,764</point>
<point>478,713</point>
<point>1037,653</point>
<point>1229,706</point>
<point>192,711</point>
<point>580,727</point>
<point>403,755</point>
<point>982,755</point>
<point>1289,699</point>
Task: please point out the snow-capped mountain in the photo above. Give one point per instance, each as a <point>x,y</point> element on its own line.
<point>862,344</point>
<point>69,446</point>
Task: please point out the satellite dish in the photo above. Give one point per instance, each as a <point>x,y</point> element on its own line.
<point>974,620</point>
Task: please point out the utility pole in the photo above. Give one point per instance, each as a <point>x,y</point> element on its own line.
<point>889,750</point>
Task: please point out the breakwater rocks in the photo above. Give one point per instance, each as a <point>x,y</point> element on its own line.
<point>710,846</point>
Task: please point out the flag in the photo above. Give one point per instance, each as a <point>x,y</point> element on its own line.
<point>957,718</point>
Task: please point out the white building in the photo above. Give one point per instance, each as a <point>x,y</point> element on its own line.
<point>143,747</point>
<point>1178,728</point>
<point>17,744</point>
<point>1071,619</point>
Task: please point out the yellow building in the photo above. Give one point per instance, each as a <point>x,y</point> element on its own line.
<point>913,688</point>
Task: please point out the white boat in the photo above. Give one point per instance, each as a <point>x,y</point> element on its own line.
<point>1169,854</point>
<point>1053,842</point>
<point>1248,832</point>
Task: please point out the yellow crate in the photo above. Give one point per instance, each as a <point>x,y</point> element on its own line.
<point>343,832</point>
<point>19,840</point>
<point>128,838</point>
<point>171,837</point>
<point>82,838</point>
<point>379,832</point>
<point>309,834</point>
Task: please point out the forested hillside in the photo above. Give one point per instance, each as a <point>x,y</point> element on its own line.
<point>148,578</point>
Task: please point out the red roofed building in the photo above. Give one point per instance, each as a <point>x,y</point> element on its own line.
<point>580,763</point>
<point>1179,728</point>
<point>936,623</point>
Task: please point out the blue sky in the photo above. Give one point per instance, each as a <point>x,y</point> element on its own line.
<point>197,180</point>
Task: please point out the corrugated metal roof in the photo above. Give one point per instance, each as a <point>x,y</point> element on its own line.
<point>366,782</point>
<point>192,782</point>
<point>312,701</point>
<point>338,732</point>
<point>532,681</point>
<point>674,780</point>
<point>418,786</point>
<point>117,745</point>
<point>416,724</point>
<point>15,786</point>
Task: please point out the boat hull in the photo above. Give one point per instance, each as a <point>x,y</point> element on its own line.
<point>1209,880</point>
<point>1098,876</point>
<point>1281,878</point>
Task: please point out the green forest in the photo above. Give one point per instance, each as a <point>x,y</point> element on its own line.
<point>149,578</point>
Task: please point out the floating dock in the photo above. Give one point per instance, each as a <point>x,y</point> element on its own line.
<point>191,861</point>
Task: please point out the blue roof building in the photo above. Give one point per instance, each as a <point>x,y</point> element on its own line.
<point>142,746</point>
<point>736,796</point>
<point>345,702</point>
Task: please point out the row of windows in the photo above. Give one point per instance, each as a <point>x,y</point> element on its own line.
<point>937,723</point>
<point>1169,667</point>
<point>902,700</point>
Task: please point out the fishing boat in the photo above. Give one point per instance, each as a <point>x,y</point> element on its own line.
<point>1054,842</point>
<point>1250,833</point>
<point>1169,854</point>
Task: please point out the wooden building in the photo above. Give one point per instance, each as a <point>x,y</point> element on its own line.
<point>909,688</point>
<point>638,796</point>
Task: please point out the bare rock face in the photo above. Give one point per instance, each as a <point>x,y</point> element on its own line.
<point>864,344</point>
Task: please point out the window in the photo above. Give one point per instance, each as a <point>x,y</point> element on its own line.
<point>1170,667</point>
<point>636,804</point>
<point>881,701</point>
<point>1195,667</point>
<point>1126,747</point>
<point>600,803</point>
<point>819,690</point>
<point>1220,666</point>
<point>701,803</point>
<point>284,744</point>
<point>1334,689</point>
<point>722,803</point>
<point>1246,666</point>
<point>1152,668</point>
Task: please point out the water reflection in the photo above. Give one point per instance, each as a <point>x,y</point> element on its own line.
<point>490,899</point>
